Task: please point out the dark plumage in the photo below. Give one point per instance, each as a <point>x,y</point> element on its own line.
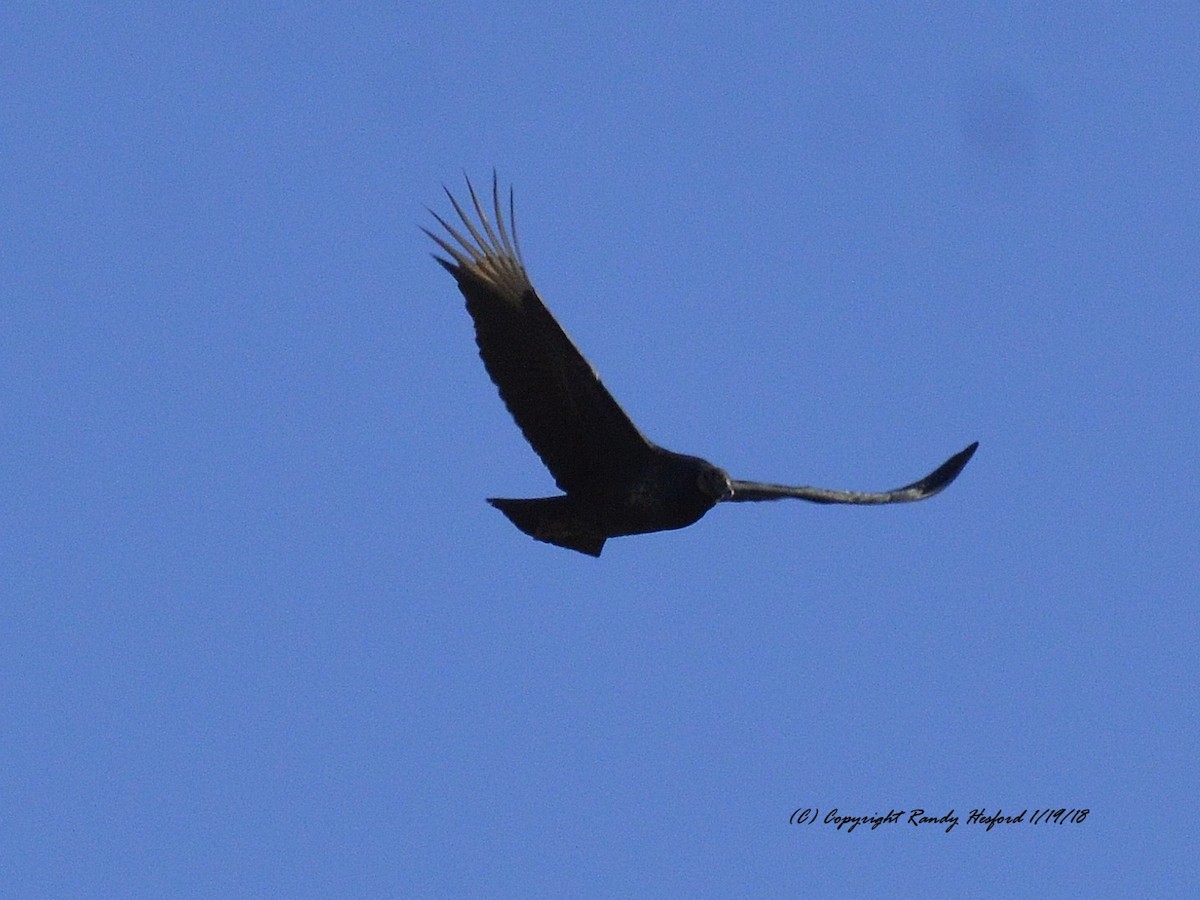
<point>615,481</point>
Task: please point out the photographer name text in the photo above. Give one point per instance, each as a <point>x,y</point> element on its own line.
<point>919,818</point>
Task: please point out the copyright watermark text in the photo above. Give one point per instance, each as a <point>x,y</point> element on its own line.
<point>919,818</point>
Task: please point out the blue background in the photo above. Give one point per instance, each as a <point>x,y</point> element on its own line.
<point>261,635</point>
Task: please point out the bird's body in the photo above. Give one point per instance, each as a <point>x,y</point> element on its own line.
<point>661,495</point>
<point>615,481</point>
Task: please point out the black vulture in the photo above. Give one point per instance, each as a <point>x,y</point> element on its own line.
<point>614,480</point>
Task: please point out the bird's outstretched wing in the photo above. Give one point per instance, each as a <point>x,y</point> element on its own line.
<point>931,484</point>
<point>569,418</point>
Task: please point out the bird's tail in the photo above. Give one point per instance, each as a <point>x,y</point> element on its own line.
<point>554,520</point>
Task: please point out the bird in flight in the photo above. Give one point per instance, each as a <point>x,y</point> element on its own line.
<point>614,480</point>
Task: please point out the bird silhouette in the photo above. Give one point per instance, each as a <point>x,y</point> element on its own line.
<point>614,480</point>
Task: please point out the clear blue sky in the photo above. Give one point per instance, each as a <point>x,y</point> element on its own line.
<point>261,635</point>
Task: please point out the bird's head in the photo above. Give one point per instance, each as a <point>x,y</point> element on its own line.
<point>714,482</point>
